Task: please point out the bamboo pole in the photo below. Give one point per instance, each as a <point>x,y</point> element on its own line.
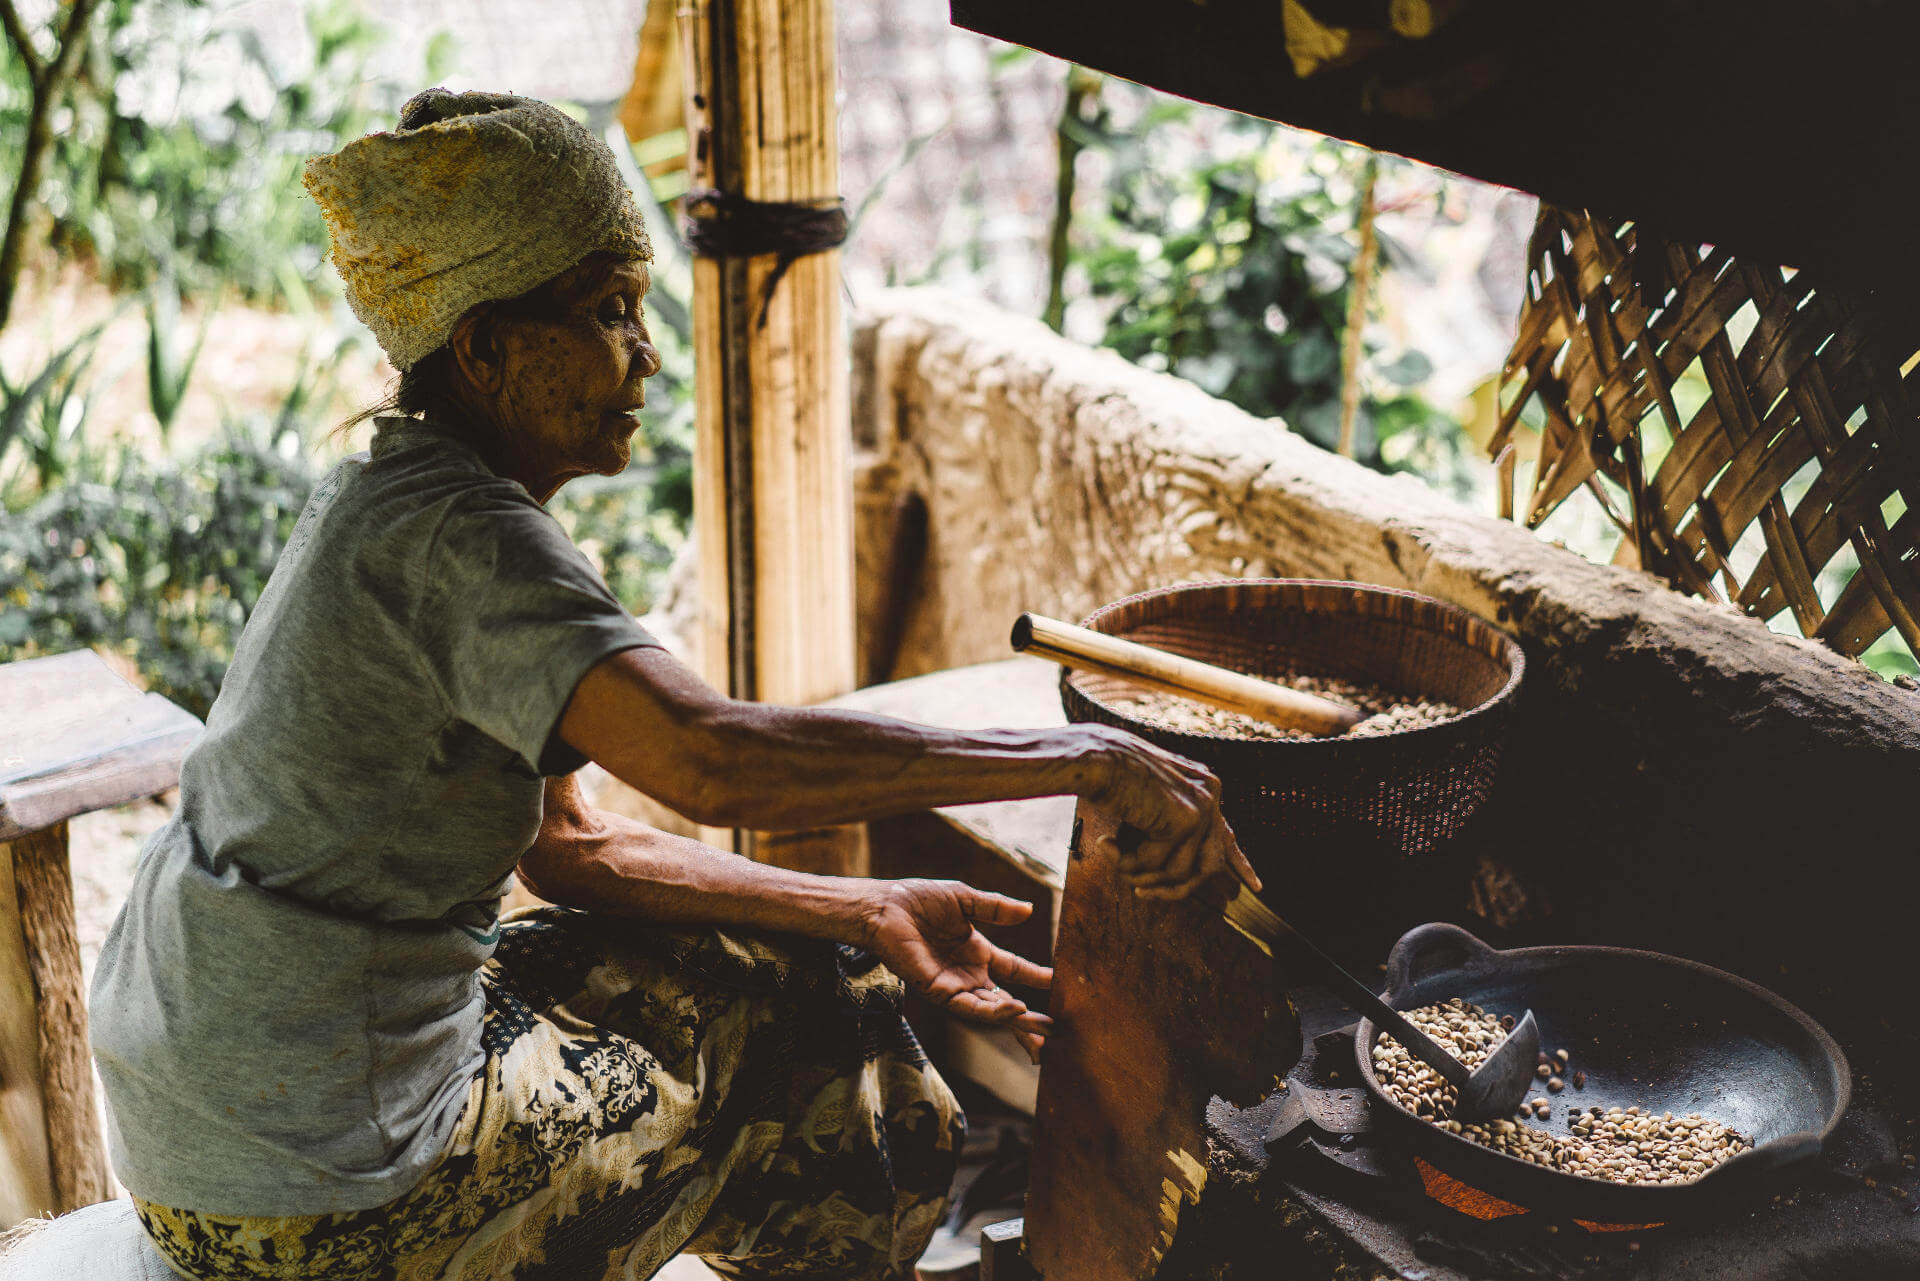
<point>1086,650</point>
<point>773,492</point>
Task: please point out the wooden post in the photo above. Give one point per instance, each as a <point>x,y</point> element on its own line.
<point>42,905</point>
<point>773,493</point>
<point>26,1172</point>
<point>74,737</point>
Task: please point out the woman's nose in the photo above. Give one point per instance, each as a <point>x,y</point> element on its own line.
<point>648,357</point>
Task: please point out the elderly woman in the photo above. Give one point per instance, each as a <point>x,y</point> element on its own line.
<point>325,1053</point>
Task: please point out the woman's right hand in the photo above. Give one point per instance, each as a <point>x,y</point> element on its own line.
<point>1175,804</point>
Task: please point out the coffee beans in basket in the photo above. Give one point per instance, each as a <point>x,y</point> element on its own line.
<point>1619,1145</point>
<point>1385,712</point>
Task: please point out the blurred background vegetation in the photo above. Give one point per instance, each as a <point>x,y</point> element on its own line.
<point>168,211</point>
<point>174,352</point>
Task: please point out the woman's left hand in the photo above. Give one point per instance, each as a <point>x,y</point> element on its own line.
<point>924,931</point>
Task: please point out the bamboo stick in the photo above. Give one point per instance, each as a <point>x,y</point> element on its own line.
<point>1085,650</point>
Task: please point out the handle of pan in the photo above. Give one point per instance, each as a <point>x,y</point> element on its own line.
<point>1428,949</point>
<point>1253,918</point>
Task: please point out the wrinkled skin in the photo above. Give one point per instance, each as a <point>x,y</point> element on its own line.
<point>559,376</point>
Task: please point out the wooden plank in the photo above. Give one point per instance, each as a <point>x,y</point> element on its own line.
<point>994,1061</point>
<point>26,1176</point>
<point>773,494</point>
<point>1014,693</point>
<point>1158,1006</point>
<point>76,737</point>
<point>1032,835</point>
<point>45,895</point>
<point>77,683</point>
<point>109,759</point>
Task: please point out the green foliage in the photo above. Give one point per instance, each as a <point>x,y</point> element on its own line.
<point>42,418</point>
<point>169,363</point>
<point>162,558</point>
<point>1235,272</point>
<point>158,561</point>
<point>184,140</point>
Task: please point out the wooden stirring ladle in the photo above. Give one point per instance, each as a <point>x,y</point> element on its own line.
<point>1086,650</point>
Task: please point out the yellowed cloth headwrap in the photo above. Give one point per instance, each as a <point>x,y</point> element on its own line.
<point>476,197</point>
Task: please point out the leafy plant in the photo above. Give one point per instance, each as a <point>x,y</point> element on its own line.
<point>169,363</point>
<point>41,421</point>
<point>185,141</point>
<point>159,562</point>
<point>1235,271</point>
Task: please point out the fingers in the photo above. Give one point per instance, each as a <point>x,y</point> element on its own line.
<point>1006,967</point>
<point>991,1005</point>
<point>1237,860</point>
<point>1031,1030</point>
<point>993,909</point>
<point>1032,1023</point>
<point>1175,804</point>
<point>1212,853</point>
<point>987,1005</point>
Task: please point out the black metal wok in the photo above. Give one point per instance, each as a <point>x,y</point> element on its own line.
<point>1654,1031</point>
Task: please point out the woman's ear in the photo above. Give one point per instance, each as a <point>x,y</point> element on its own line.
<point>477,351</point>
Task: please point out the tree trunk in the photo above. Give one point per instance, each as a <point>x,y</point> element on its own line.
<point>1354,347</point>
<point>47,79</point>
<point>1083,86</point>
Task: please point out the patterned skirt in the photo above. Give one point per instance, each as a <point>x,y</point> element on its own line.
<point>757,1101</point>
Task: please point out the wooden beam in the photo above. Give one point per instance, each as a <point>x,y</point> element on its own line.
<point>773,497</point>
<point>1760,127</point>
<point>74,737</point>
<point>26,1175</point>
<point>655,101</point>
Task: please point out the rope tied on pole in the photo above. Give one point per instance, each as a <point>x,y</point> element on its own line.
<point>723,224</point>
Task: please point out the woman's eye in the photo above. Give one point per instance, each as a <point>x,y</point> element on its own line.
<point>614,310</point>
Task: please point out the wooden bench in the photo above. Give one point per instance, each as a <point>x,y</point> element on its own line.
<point>1012,847</point>
<point>74,737</point>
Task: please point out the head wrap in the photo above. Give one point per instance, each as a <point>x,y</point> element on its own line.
<point>475,197</point>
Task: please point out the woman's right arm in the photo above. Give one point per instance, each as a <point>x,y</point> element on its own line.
<point>655,725</point>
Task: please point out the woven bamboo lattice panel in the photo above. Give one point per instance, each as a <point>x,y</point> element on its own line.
<point>1749,432</point>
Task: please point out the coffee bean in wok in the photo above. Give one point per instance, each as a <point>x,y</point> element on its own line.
<point>1618,1145</point>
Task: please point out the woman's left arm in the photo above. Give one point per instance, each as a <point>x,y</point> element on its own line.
<point>923,930</point>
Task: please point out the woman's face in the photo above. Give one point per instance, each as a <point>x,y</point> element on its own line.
<point>571,375</point>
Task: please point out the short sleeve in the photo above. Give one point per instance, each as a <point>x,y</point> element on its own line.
<point>512,615</point>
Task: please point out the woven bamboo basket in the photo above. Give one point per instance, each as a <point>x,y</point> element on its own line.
<point>1411,791</point>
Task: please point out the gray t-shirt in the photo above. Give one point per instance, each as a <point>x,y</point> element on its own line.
<point>286,1014</point>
